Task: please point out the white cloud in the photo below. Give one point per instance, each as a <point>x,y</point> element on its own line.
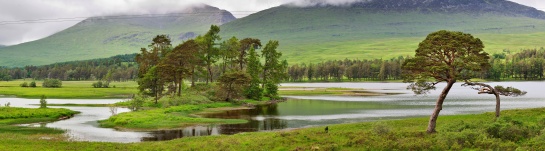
<point>17,10</point>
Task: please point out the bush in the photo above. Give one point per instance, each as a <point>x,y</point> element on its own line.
<point>52,83</point>
<point>137,102</point>
<point>24,84</point>
<point>43,102</point>
<point>32,84</point>
<point>507,129</point>
<point>185,99</point>
<point>101,84</point>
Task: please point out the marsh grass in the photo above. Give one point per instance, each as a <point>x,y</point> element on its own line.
<point>456,132</point>
<point>70,90</point>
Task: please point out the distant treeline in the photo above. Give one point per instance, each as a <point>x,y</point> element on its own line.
<point>527,64</point>
<point>353,70</point>
<point>122,68</point>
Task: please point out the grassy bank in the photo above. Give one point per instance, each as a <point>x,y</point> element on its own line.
<point>166,118</point>
<point>9,116</point>
<point>69,90</point>
<point>517,129</point>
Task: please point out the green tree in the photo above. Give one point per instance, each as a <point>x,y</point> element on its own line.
<point>208,53</point>
<point>43,102</point>
<point>178,63</point>
<point>444,56</point>
<point>229,52</point>
<point>245,45</point>
<point>150,83</point>
<point>232,85</point>
<point>497,91</point>
<point>273,70</point>
<point>254,68</point>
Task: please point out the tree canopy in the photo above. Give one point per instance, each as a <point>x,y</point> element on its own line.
<point>444,56</point>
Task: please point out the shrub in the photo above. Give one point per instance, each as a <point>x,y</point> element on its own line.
<point>137,102</point>
<point>32,84</point>
<point>43,102</point>
<point>52,83</point>
<point>24,84</point>
<point>508,129</point>
<point>7,104</point>
<point>101,84</point>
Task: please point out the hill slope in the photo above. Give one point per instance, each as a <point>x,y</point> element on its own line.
<point>389,28</point>
<point>101,37</point>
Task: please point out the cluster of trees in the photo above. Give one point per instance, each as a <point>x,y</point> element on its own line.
<point>233,63</point>
<point>527,65</point>
<point>353,70</point>
<point>121,67</point>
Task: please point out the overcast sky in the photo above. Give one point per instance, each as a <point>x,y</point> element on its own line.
<point>15,15</point>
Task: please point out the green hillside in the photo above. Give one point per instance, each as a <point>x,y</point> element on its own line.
<point>101,37</point>
<point>365,30</point>
<point>314,34</point>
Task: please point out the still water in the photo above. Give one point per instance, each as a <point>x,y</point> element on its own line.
<point>303,111</point>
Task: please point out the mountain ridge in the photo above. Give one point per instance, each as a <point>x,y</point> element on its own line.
<point>371,29</point>
<point>100,37</point>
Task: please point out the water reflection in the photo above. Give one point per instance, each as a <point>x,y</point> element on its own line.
<point>163,135</point>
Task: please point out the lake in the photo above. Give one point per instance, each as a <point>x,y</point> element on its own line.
<point>302,111</point>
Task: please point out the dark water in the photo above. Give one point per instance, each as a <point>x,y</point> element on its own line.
<point>301,111</point>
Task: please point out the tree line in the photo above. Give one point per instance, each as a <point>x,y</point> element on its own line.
<point>234,64</point>
<point>352,70</point>
<point>528,64</point>
<point>120,67</point>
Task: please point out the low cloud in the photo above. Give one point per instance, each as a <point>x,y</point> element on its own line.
<point>308,3</point>
<point>77,10</point>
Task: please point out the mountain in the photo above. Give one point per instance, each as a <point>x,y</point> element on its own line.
<point>1,46</point>
<point>369,29</point>
<point>100,37</point>
<point>388,28</point>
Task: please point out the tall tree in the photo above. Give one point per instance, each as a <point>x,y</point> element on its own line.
<point>254,68</point>
<point>273,69</point>
<point>445,56</point>
<point>229,51</point>
<point>178,63</point>
<point>148,60</point>
<point>209,53</point>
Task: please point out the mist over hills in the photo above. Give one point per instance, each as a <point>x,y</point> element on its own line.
<point>100,37</point>
<point>364,30</point>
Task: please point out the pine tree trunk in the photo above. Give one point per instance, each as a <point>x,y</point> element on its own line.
<point>439,107</point>
<point>497,104</point>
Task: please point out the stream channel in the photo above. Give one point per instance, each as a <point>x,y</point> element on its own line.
<point>298,111</point>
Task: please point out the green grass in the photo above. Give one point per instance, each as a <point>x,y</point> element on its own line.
<point>525,129</point>
<point>12,115</point>
<point>82,105</point>
<point>317,34</point>
<point>166,118</point>
<point>70,89</point>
